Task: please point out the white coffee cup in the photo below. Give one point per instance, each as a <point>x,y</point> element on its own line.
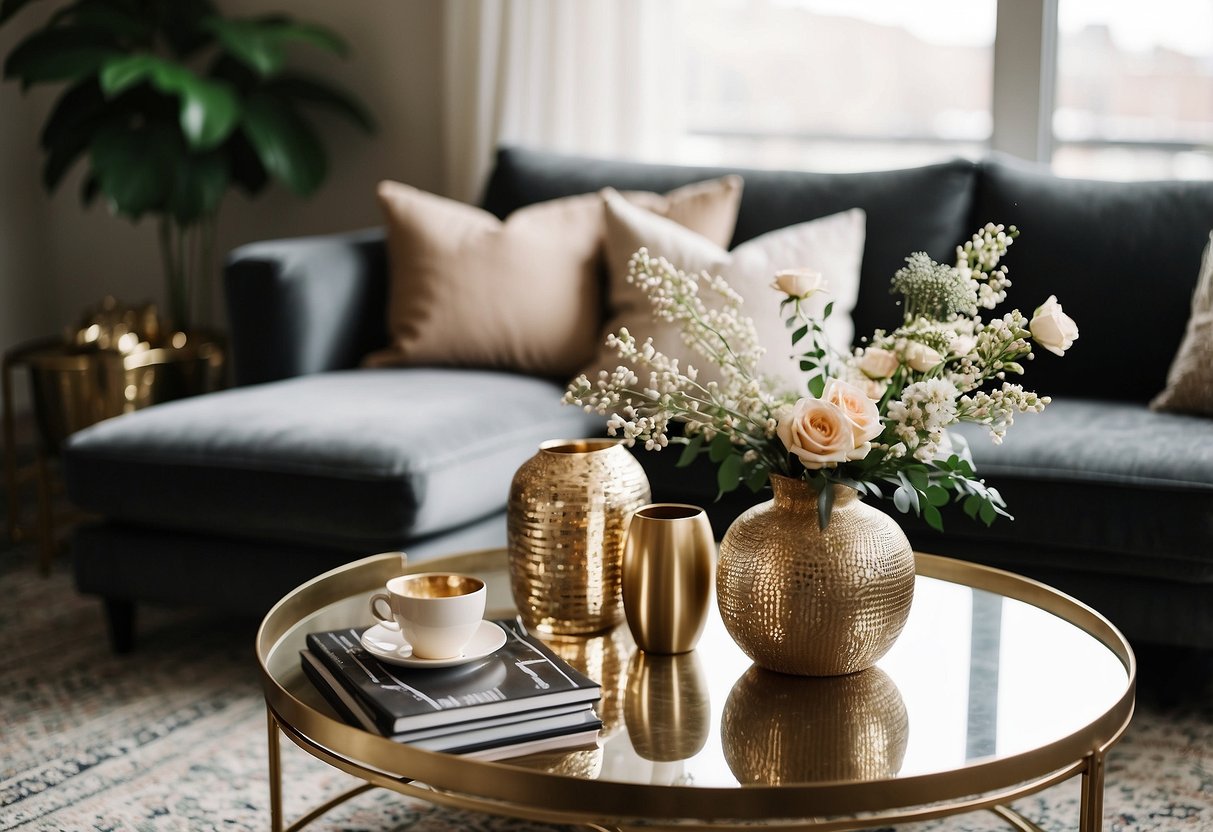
<point>436,612</point>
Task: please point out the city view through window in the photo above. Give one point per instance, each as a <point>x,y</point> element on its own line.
<point>835,85</point>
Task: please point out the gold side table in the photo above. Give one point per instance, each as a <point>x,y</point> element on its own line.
<point>73,389</point>
<point>999,687</point>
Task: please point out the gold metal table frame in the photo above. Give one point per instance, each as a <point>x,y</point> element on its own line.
<point>336,599</point>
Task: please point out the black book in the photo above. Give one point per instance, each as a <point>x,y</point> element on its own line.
<point>524,675</point>
<point>467,736</point>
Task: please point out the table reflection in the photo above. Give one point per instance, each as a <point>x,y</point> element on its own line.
<point>667,707</point>
<point>788,729</point>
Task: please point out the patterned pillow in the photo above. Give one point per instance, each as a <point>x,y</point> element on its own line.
<point>1190,379</point>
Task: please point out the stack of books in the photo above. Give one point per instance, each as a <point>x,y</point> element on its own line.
<point>522,699</point>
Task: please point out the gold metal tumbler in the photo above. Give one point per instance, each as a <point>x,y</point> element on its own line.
<point>668,563</point>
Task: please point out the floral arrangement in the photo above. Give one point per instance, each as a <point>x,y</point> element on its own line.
<point>872,419</point>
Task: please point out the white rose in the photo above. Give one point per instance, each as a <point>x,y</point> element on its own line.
<point>799,283</point>
<point>878,363</point>
<point>817,432</point>
<point>918,356</point>
<point>1052,328</point>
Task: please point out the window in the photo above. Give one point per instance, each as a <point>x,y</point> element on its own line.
<point>838,85</point>
<point>1134,89</point>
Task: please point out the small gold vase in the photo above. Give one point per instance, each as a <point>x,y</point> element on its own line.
<point>811,603</point>
<point>782,729</point>
<point>565,520</point>
<point>668,559</point>
<point>667,709</point>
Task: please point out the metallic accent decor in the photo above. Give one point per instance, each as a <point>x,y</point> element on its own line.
<point>567,510</point>
<point>808,602</point>
<point>588,789</point>
<point>668,558</point>
<point>602,657</point>
<point>790,729</point>
<point>667,708</point>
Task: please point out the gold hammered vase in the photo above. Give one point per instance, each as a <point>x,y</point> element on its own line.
<point>565,521</point>
<point>808,602</point>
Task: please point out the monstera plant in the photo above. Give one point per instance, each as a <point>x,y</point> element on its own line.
<point>170,104</point>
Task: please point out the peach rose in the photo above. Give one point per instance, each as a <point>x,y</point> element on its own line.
<point>817,432</point>
<point>858,407</point>
<point>799,283</point>
<point>1052,328</point>
<point>878,363</point>
<point>918,356</point>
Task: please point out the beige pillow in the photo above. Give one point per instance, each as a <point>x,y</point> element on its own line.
<point>469,290</point>
<point>1190,379</point>
<point>832,245</point>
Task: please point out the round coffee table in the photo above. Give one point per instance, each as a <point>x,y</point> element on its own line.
<point>998,687</point>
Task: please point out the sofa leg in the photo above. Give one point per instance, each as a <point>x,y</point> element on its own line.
<point>120,616</point>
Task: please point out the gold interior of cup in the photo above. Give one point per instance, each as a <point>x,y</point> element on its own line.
<point>440,585</point>
<point>668,511</point>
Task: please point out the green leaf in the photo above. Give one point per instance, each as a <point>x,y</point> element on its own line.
<point>808,365</point>
<point>937,495</point>
<point>690,451</point>
<point>108,16</point>
<point>971,506</point>
<point>59,54</point>
<point>987,513</point>
<point>829,308</point>
<point>800,333</point>
<point>901,500</point>
<point>306,90</point>
<point>720,448</point>
<point>817,386</point>
<point>135,166</point>
<point>209,109</point>
<point>261,44</point>
<point>199,183</point>
<point>931,514</point>
<point>918,478</point>
<point>825,506</point>
<point>757,478</point>
<point>728,476</point>
<point>287,145</point>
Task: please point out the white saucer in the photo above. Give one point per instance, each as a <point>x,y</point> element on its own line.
<point>390,646</point>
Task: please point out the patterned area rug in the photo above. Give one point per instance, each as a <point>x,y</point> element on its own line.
<point>173,737</point>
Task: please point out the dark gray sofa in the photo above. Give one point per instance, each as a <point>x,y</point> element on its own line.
<point>307,462</point>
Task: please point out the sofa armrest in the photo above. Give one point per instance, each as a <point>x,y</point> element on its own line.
<point>305,305</point>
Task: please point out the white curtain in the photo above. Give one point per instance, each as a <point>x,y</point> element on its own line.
<point>597,77</point>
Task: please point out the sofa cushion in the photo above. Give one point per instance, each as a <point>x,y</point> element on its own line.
<point>361,458</point>
<point>926,208</point>
<point>1121,488</point>
<point>469,290</point>
<point>1190,379</point>
<point>1121,257</point>
<point>832,245</point>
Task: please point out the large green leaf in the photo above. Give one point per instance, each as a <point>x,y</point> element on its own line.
<point>135,166</point>
<point>59,54</point>
<point>116,18</point>
<point>247,170</point>
<point>199,182</point>
<point>210,109</point>
<point>303,89</point>
<point>261,44</point>
<point>182,22</point>
<point>285,143</point>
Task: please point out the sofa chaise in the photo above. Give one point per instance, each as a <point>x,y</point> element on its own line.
<point>309,461</point>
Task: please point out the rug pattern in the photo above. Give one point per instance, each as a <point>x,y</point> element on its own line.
<point>174,737</point>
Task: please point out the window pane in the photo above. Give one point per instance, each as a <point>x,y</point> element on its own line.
<point>1134,89</point>
<point>832,84</point>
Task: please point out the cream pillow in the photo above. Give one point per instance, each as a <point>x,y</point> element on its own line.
<point>832,245</point>
<point>469,290</point>
<point>1190,379</point>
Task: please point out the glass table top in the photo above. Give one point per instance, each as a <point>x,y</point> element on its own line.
<point>974,676</point>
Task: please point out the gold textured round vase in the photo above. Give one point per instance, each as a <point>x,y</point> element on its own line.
<point>565,521</point>
<point>808,602</point>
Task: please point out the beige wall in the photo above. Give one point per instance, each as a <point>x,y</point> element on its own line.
<point>56,258</point>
